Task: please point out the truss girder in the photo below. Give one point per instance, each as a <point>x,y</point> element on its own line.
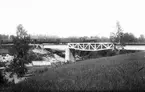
<point>91,46</point>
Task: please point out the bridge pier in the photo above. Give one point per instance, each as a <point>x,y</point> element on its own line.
<point>69,55</point>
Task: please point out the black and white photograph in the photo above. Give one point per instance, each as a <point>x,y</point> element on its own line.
<point>72,45</point>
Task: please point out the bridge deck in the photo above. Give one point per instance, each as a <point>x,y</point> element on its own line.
<point>91,46</point>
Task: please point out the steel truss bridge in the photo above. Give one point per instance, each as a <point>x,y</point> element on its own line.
<point>99,46</point>
<point>69,57</point>
<point>91,46</point>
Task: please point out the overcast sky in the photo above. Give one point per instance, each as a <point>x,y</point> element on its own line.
<point>72,17</point>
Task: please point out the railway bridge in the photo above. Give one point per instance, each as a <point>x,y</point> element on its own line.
<point>86,47</point>
<point>99,46</point>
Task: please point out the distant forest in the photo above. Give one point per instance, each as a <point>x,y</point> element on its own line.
<point>125,38</point>
<point>116,37</point>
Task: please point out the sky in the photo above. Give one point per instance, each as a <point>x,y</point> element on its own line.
<point>66,18</point>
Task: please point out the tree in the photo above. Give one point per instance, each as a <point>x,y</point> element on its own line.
<point>112,37</point>
<point>21,45</point>
<point>141,38</point>
<point>129,38</point>
<point>117,36</point>
<point>119,33</point>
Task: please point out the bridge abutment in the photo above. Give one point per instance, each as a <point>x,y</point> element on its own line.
<point>69,55</point>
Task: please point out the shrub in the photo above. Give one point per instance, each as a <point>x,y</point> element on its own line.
<point>1,78</point>
<point>34,57</point>
<point>111,53</point>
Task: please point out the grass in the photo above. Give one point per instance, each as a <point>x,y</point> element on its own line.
<point>121,72</point>
<point>38,69</point>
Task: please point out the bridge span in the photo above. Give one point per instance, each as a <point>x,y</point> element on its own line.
<point>89,46</point>
<point>92,47</point>
<point>99,46</point>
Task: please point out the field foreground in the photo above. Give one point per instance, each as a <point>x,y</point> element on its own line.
<point>121,72</point>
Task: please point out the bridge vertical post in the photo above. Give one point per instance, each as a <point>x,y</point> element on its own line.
<point>113,47</point>
<point>69,56</point>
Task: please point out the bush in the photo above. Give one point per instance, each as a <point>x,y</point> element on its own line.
<point>34,57</point>
<point>1,78</point>
<point>111,53</point>
<point>97,54</point>
<point>2,64</point>
<point>127,51</point>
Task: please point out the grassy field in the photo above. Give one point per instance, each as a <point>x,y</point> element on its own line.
<point>121,72</point>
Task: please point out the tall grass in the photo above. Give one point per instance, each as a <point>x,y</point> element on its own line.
<point>114,73</point>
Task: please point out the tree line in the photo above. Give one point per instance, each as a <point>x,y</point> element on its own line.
<point>117,37</point>
<point>125,38</point>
